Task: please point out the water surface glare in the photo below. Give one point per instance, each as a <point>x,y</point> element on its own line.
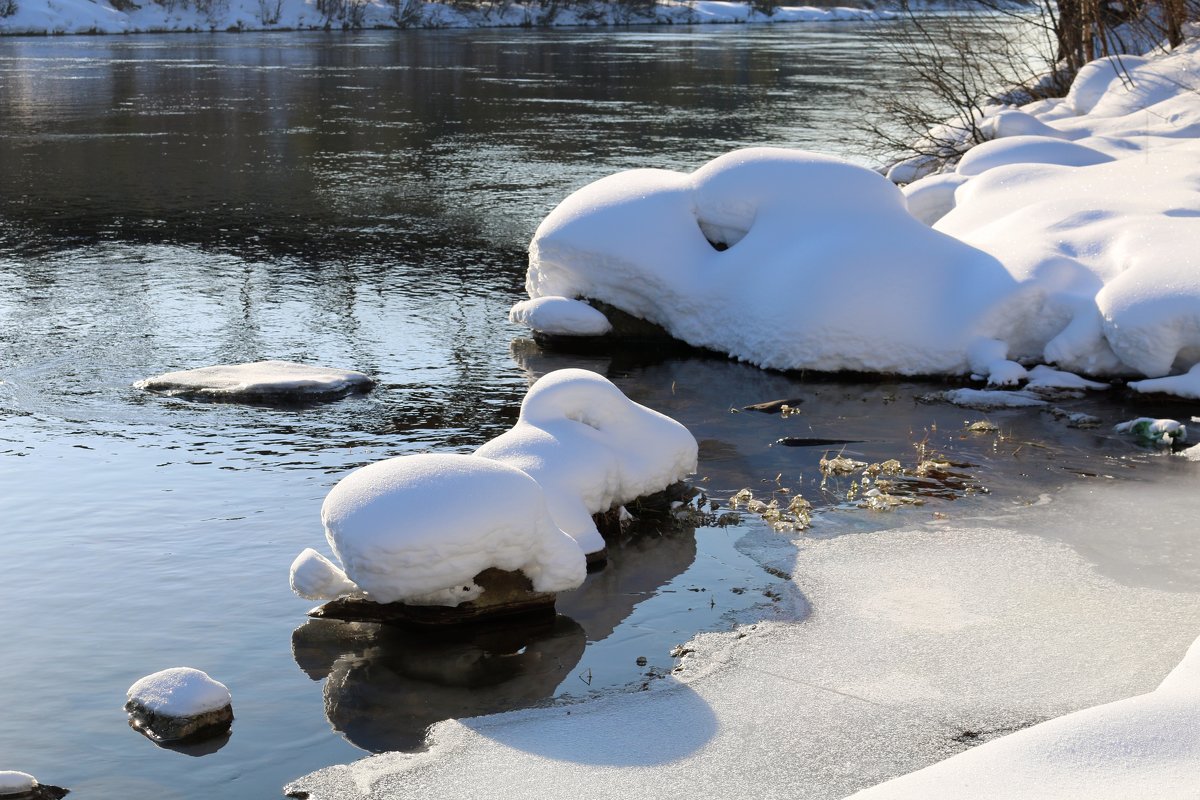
<point>364,201</point>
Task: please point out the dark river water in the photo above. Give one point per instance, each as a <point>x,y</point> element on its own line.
<point>364,201</point>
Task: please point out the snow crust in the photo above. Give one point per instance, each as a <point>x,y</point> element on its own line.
<point>92,16</point>
<point>1073,237</point>
<point>257,379</point>
<point>1144,746</point>
<point>179,692</point>
<point>920,639</point>
<point>591,448</point>
<point>13,782</point>
<point>418,529</point>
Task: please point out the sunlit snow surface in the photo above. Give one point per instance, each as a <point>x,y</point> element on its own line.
<point>1073,239</point>
<point>922,641</point>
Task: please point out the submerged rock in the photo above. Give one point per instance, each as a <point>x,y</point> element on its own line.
<point>177,704</point>
<point>259,381</point>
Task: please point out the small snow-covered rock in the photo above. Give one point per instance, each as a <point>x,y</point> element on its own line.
<point>1028,150</point>
<point>13,782</point>
<point>418,529</point>
<point>1163,432</point>
<point>179,703</point>
<point>1048,379</point>
<point>985,399</point>
<point>560,316</point>
<point>259,380</point>
<point>591,448</point>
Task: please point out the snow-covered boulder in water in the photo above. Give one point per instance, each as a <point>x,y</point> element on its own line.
<point>591,448</point>
<point>824,268</point>
<point>179,703</point>
<point>418,529</point>
<point>259,380</point>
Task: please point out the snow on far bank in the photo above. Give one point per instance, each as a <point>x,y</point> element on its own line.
<point>591,448</point>
<point>259,380</point>
<point>101,16</point>
<point>1073,238</point>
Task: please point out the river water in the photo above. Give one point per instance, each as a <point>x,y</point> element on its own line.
<point>364,201</point>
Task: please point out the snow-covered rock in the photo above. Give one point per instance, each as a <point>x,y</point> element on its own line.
<point>418,529</point>
<point>824,267</point>
<point>560,316</point>
<point>1165,432</point>
<point>1142,747</point>
<point>591,448</point>
<point>1186,385</point>
<point>259,380</point>
<point>13,782</point>
<point>178,703</point>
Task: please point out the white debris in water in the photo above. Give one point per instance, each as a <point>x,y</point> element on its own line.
<point>1048,379</point>
<point>928,637</point>
<point>559,315</point>
<point>418,529</point>
<point>259,379</point>
<point>315,577</point>
<point>591,448</point>
<point>986,399</point>
<point>1074,241</point>
<point>1159,431</point>
<point>1142,747</point>
<point>179,692</point>
<point>13,782</point>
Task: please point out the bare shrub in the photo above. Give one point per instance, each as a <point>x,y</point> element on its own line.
<point>269,11</point>
<point>7,8</point>
<point>407,13</point>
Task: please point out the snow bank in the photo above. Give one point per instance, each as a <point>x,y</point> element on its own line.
<point>1074,241</point>
<point>258,380</point>
<point>825,268</point>
<point>591,448</point>
<point>179,692</point>
<point>90,16</point>
<point>418,529</point>
<point>1141,747</point>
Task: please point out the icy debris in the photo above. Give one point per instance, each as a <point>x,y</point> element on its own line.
<point>260,380</point>
<point>840,465</point>
<point>1144,746</point>
<point>1186,385</point>
<point>795,516</point>
<point>591,448</point>
<point>983,426</point>
<point>418,529</point>
<point>1076,419</point>
<point>315,577</point>
<point>986,399</point>
<point>560,316</point>
<point>1164,432</point>
<point>179,703</point>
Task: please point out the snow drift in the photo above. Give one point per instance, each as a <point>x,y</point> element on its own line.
<point>1072,238</point>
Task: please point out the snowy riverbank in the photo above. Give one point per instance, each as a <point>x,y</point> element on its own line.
<point>102,16</point>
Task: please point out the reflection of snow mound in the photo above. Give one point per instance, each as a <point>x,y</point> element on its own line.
<point>591,448</point>
<point>419,529</point>
<point>823,268</point>
<point>258,380</point>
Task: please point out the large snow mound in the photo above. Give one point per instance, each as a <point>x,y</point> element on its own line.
<point>1073,237</point>
<point>418,529</point>
<point>258,379</point>
<point>825,268</point>
<point>179,692</point>
<point>1144,746</point>
<point>591,448</point>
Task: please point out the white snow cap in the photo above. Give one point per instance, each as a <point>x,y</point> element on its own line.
<point>560,315</point>
<point>1141,747</point>
<point>13,782</point>
<point>825,268</point>
<point>179,692</point>
<point>315,577</point>
<point>259,378</point>
<point>591,448</point>
<point>418,529</point>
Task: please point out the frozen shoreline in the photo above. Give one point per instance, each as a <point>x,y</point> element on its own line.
<point>55,17</point>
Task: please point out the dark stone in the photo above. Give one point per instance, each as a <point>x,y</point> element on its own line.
<point>798,441</point>
<point>160,727</point>
<point>773,406</point>
<point>506,595</point>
